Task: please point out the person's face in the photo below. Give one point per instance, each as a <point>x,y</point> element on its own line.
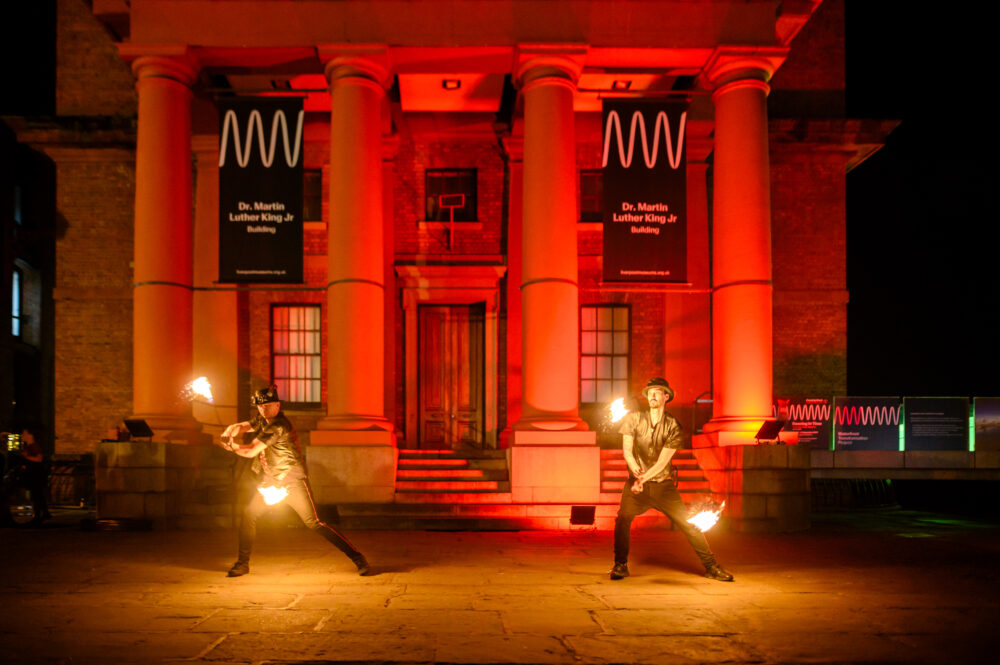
<point>269,410</point>
<point>27,437</point>
<point>656,397</point>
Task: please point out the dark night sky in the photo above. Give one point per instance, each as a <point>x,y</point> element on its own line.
<point>923,258</point>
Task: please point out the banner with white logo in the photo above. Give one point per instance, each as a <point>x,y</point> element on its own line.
<point>645,191</point>
<point>811,417</point>
<point>260,190</point>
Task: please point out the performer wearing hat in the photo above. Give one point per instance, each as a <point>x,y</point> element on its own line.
<point>278,463</point>
<point>649,439</point>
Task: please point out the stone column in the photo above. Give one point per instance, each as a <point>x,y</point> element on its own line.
<point>550,328</point>
<point>741,240</point>
<point>352,454</point>
<point>355,262</point>
<point>162,299</point>
<point>554,459</point>
<point>214,334</point>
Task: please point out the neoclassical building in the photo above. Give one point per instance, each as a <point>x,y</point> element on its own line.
<point>483,335</point>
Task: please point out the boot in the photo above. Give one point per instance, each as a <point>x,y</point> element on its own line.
<point>620,571</point>
<point>239,568</point>
<point>714,571</point>
<point>362,563</point>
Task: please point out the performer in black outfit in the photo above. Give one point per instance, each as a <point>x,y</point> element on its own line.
<point>278,463</point>
<point>649,439</point>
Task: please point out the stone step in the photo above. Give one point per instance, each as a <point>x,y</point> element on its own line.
<point>451,485</point>
<point>481,496</point>
<point>445,475</point>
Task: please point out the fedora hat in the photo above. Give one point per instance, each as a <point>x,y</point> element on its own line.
<point>662,384</point>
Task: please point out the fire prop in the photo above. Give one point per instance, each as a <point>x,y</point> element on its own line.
<point>273,495</point>
<point>705,515</point>
<point>200,387</point>
<point>618,410</point>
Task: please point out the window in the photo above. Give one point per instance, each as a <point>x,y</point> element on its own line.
<point>295,353</point>
<point>591,195</point>
<point>312,195</point>
<point>447,190</point>
<point>17,205</point>
<point>604,352</point>
<point>15,303</point>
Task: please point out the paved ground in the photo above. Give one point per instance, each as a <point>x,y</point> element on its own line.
<point>864,588</point>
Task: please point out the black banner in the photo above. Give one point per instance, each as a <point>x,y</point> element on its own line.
<point>645,191</point>
<point>866,423</point>
<point>937,423</point>
<point>811,417</point>
<point>260,190</point>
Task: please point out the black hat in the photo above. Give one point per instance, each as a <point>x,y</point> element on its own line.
<point>662,384</point>
<point>265,395</point>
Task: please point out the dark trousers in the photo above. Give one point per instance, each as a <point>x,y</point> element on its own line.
<point>300,499</point>
<point>662,496</point>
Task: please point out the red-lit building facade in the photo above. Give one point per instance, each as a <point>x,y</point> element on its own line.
<point>492,332</point>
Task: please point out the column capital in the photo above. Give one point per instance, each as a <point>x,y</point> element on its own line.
<point>729,64</point>
<point>552,61</point>
<point>369,61</point>
<point>166,61</point>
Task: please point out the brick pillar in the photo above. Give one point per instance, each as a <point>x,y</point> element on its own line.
<point>161,339</point>
<point>741,254</point>
<point>554,458</point>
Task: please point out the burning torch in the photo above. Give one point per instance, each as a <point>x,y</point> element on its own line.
<point>272,494</point>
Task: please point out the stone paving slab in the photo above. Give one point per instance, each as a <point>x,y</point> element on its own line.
<point>891,587</point>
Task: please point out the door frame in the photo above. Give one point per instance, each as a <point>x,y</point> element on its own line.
<point>451,285</point>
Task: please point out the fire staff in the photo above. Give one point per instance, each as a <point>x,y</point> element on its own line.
<point>649,440</point>
<point>277,461</point>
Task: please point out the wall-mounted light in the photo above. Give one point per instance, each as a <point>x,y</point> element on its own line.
<point>621,85</point>
<point>451,84</point>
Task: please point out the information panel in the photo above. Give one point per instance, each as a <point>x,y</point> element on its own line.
<point>866,423</point>
<point>260,190</point>
<point>987,423</point>
<point>811,417</point>
<point>937,423</point>
<point>645,191</point>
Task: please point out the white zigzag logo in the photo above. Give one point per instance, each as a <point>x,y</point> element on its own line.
<point>637,120</point>
<point>266,150</point>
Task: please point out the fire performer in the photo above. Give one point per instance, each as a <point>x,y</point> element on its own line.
<point>649,440</point>
<point>278,463</point>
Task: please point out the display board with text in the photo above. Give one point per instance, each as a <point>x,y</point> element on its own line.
<point>937,423</point>
<point>810,417</point>
<point>866,423</point>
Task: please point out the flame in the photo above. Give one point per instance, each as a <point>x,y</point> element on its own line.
<point>273,495</point>
<point>707,517</point>
<point>201,387</point>
<point>618,410</point>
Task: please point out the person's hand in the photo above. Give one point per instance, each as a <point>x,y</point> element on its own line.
<point>637,486</point>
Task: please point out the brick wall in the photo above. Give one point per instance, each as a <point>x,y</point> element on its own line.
<point>809,254</point>
<point>93,297</point>
<point>90,77</point>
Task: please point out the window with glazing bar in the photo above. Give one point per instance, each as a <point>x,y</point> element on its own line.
<point>296,357</point>
<point>604,352</point>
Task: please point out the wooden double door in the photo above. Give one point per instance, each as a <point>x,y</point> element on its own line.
<point>451,376</point>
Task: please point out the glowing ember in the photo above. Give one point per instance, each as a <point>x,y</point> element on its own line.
<point>705,515</point>
<point>618,410</point>
<point>273,495</point>
<point>200,387</point>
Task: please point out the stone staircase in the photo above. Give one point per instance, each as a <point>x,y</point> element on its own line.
<point>447,490</point>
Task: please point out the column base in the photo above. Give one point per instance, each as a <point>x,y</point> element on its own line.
<point>550,423</point>
<point>354,423</point>
<point>352,466</point>
<point>554,467</point>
